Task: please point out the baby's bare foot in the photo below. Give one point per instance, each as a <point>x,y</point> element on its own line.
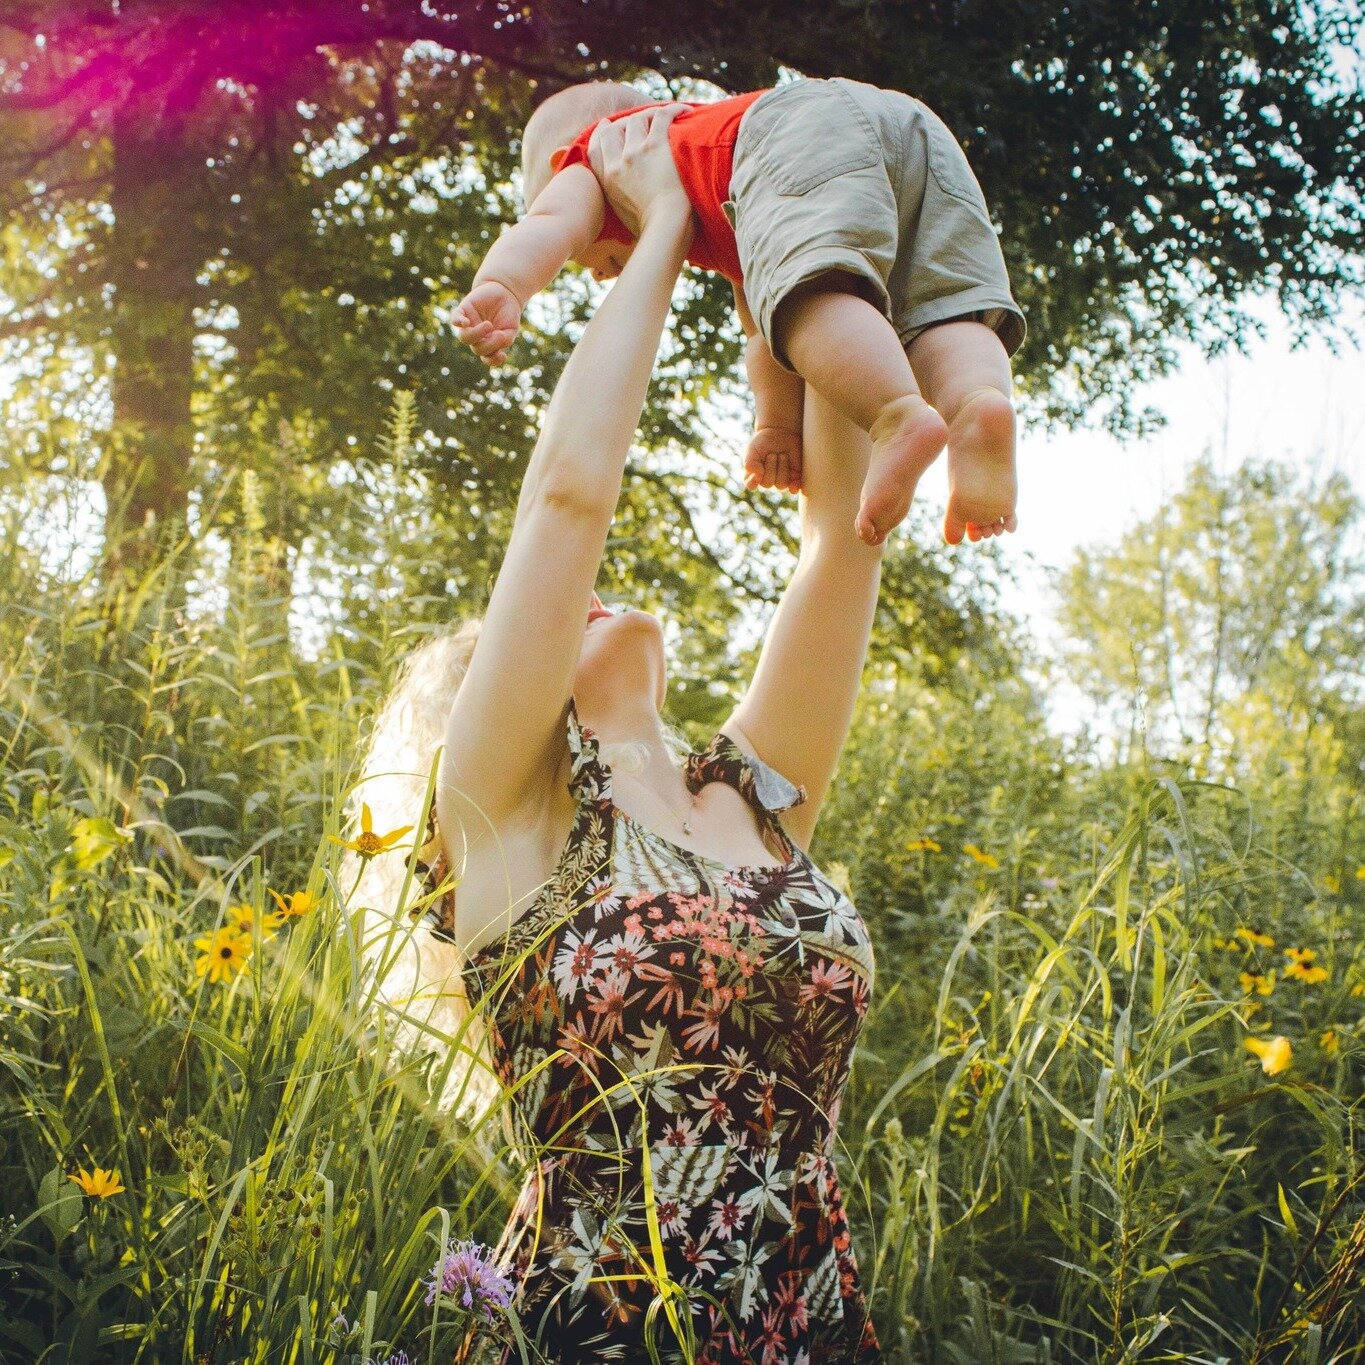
<point>773,459</point>
<point>981,481</point>
<point>906,439</point>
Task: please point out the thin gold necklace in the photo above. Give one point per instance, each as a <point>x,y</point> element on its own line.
<point>685,821</point>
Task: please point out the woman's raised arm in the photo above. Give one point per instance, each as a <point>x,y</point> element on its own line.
<point>505,735</point>
<point>796,711</point>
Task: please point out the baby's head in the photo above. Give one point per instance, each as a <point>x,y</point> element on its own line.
<point>560,119</point>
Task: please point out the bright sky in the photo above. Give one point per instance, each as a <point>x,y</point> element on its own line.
<point>1303,406</point>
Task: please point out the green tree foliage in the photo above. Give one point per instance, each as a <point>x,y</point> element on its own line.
<point>1245,590</point>
<point>237,213</point>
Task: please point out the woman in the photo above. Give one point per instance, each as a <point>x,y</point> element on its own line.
<point>672,989</point>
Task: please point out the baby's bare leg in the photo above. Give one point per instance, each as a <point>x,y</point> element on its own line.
<point>845,349</point>
<point>965,373</point>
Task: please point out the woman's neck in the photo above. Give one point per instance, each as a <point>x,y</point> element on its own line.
<point>623,721</point>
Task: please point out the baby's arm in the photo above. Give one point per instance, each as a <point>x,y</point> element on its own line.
<point>773,459</point>
<point>566,217</point>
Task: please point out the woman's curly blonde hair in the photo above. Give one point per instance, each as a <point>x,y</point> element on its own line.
<point>418,972</point>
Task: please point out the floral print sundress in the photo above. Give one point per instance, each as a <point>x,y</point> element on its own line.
<point>677,1034</point>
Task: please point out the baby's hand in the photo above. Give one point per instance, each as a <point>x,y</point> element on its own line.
<point>487,321</point>
<point>773,459</point>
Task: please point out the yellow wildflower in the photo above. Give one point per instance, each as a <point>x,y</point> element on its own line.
<point>1275,1053</point>
<point>1301,954</point>
<point>1333,884</point>
<point>1360,874</point>
<point>243,915</point>
<point>1358,988</point>
<point>367,844</point>
<point>1252,936</point>
<point>1262,983</point>
<point>298,904</point>
<point>1310,976</point>
<point>1330,1042</point>
<point>224,954</point>
<point>923,844</point>
<point>981,856</point>
<point>98,1183</point>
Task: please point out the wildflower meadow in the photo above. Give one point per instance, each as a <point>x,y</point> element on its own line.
<point>1107,1105</point>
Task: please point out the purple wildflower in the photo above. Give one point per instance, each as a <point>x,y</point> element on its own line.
<point>465,1271</point>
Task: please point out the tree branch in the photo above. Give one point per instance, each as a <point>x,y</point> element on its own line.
<point>665,482</point>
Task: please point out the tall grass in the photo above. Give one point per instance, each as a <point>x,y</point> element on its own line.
<point>1056,1145</point>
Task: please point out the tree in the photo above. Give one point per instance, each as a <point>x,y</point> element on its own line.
<point>252,205</point>
<point>1233,620</point>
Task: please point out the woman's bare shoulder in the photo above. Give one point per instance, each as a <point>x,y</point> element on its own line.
<point>508,863</point>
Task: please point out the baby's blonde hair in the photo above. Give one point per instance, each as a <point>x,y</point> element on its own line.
<point>560,119</point>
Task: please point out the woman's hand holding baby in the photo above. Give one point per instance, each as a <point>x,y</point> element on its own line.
<point>634,171</point>
<point>632,160</point>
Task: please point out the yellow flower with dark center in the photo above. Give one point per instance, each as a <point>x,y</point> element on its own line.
<point>1330,1042</point>
<point>298,904</point>
<point>1275,1053</point>
<point>367,844</point>
<point>1253,936</point>
<point>981,856</point>
<point>1310,976</point>
<point>1300,954</point>
<point>99,1183</point>
<point>223,955</point>
<point>1262,983</point>
<point>924,844</point>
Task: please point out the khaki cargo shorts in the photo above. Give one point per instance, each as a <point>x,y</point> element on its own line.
<point>838,175</point>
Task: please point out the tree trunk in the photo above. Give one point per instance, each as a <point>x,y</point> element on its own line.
<point>153,264</point>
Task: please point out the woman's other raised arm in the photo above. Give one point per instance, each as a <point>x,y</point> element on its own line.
<point>505,735</point>
<point>796,711</point>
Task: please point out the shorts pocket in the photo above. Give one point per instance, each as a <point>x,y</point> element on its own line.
<point>806,133</point>
<point>948,163</point>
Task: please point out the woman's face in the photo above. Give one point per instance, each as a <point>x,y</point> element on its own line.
<point>622,654</point>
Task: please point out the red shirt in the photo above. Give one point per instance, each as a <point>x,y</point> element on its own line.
<point>703,143</point>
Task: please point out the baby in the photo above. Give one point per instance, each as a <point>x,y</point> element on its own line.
<point>863,262</point>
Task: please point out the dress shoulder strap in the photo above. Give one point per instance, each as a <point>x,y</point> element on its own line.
<point>761,785</point>
<point>589,776</point>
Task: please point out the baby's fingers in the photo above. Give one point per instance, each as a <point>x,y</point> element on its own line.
<point>471,332</point>
<point>493,349</point>
<point>465,316</point>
